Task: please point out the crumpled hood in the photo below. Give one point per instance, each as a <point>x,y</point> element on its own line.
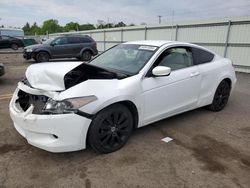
<point>49,76</point>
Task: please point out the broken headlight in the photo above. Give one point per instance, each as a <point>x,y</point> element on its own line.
<point>67,105</point>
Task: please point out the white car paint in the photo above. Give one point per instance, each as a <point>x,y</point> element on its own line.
<point>154,97</point>
<point>45,75</point>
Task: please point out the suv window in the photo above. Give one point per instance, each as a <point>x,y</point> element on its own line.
<point>201,56</point>
<point>5,38</point>
<point>86,40</point>
<point>60,41</point>
<point>175,58</point>
<point>74,40</point>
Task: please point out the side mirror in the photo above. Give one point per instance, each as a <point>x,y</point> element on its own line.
<point>52,44</point>
<point>161,71</point>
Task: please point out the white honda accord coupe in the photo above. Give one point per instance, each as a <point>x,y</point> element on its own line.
<point>61,107</point>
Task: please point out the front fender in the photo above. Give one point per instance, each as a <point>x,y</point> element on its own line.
<point>36,51</point>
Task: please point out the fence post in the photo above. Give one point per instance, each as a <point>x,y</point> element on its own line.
<point>145,36</point>
<point>121,35</point>
<point>104,40</point>
<point>227,37</point>
<point>176,32</point>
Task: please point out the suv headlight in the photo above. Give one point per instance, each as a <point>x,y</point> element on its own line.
<point>67,105</point>
<point>29,50</point>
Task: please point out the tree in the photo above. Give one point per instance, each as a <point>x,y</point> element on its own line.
<point>26,29</point>
<point>120,24</point>
<point>86,27</point>
<point>71,26</point>
<point>35,30</point>
<point>51,26</point>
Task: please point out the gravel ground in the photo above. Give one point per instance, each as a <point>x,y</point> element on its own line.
<point>208,149</point>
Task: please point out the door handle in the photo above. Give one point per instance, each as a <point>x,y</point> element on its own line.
<point>193,74</point>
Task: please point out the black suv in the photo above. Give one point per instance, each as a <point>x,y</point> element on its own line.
<point>10,42</point>
<point>1,69</point>
<point>67,46</point>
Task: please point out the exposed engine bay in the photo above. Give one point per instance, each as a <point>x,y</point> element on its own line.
<point>86,71</point>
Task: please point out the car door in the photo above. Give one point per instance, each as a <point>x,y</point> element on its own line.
<point>168,95</point>
<point>76,46</point>
<point>5,42</point>
<point>61,48</point>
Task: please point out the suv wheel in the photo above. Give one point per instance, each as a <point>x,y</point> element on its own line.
<point>14,47</point>
<point>86,55</point>
<point>110,129</point>
<point>42,57</point>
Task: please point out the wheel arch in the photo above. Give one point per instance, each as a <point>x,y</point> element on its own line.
<point>43,50</point>
<point>228,80</point>
<point>131,107</point>
<point>15,43</point>
<point>225,78</point>
<point>86,49</point>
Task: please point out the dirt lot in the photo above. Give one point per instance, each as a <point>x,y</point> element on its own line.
<point>208,149</point>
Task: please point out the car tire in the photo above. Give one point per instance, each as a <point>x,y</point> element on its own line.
<point>14,46</point>
<point>110,129</point>
<point>220,97</point>
<point>86,55</point>
<point>42,57</point>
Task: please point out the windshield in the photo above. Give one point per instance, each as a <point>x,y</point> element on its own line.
<point>125,58</point>
<point>48,41</point>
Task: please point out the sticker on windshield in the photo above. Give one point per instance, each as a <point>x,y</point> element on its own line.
<point>150,48</point>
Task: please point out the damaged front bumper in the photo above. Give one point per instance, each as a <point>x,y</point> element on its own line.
<point>54,133</point>
<point>28,55</point>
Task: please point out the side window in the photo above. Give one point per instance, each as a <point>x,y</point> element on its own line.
<point>201,56</point>
<point>60,41</point>
<point>5,38</point>
<point>74,40</point>
<point>175,58</point>
<point>85,40</point>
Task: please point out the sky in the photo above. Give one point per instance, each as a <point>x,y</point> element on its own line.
<point>15,13</point>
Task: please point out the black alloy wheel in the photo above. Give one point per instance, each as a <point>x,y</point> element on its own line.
<point>86,55</point>
<point>42,57</point>
<point>221,97</point>
<point>111,129</point>
<point>14,47</point>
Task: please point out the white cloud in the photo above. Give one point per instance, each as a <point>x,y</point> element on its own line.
<point>18,12</point>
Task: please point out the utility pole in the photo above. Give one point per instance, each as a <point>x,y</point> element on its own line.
<point>108,22</point>
<point>172,30</point>
<point>159,19</point>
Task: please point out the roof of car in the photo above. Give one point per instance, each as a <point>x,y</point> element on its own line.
<point>74,35</point>
<point>157,43</point>
<point>151,42</point>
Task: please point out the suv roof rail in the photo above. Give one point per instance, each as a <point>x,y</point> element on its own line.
<point>75,35</point>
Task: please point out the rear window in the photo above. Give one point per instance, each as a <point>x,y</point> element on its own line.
<point>201,56</point>
<point>75,40</point>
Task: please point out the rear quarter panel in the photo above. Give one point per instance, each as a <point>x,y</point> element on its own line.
<point>211,75</point>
